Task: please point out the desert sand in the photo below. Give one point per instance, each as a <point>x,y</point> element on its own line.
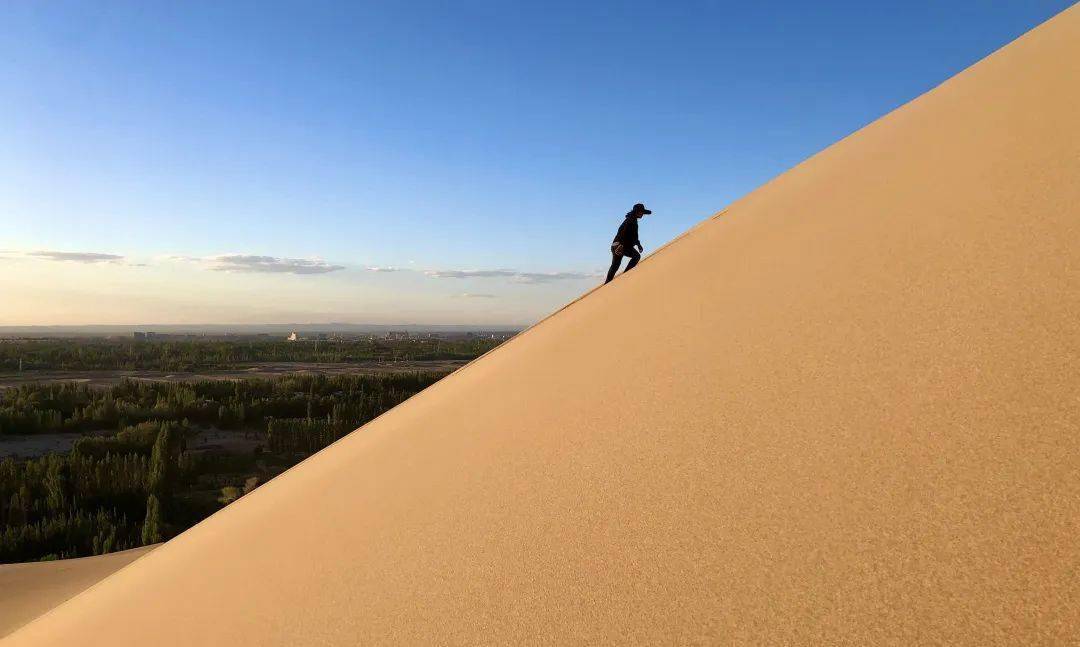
<point>844,410</point>
<point>28,590</point>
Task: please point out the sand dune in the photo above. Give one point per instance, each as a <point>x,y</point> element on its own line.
<point>29,590</point>
<point>845,410</point>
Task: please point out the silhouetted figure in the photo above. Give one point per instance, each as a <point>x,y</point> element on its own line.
<point>626,239</point>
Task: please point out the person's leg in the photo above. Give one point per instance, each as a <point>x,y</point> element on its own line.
<point>634,255</point>
<point>616,261</point>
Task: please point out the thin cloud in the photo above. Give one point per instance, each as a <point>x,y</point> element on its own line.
<point>73,257</point>
<point>77,257</point>
<point>254,263</point>
<point>474,295</point>
<point>469,274</point>
<point>385,269</point>
<point>548,277</point>
<point>514,275</point>
<point>270,264</point>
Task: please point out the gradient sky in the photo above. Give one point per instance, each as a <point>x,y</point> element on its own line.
<point>248,162</point>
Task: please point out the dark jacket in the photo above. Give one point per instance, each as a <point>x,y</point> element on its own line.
<point>628,234</point>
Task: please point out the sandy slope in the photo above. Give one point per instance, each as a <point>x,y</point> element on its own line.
<point>28,590</point>
<point>845,410</point>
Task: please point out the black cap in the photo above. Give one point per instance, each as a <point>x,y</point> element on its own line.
<point>640,208</point>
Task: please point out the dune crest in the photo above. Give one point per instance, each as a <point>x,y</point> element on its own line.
<point>846,411</point>
<point>30,589</point>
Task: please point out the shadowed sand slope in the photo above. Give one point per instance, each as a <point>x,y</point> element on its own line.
<point>29,590</point>
<point>845,410</point>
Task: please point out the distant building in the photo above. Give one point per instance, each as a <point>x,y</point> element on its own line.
<point>293,336</point>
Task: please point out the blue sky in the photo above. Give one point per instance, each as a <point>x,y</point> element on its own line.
<point>437,137</point>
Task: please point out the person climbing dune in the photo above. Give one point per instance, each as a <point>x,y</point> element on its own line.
<point>626,240</point>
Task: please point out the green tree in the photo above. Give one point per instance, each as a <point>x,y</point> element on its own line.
<point>153,524</point>
<point>58,485</point>
<point>163,462</point>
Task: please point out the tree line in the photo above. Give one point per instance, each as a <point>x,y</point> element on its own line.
<point>141,483</point>
<point>193,355</point>
<point>35,408</point>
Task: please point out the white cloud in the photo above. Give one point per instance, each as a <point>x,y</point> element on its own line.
<point>385,269</point>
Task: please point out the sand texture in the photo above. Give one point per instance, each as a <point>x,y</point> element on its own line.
<point>845,410</point>
<point>29,590</point>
